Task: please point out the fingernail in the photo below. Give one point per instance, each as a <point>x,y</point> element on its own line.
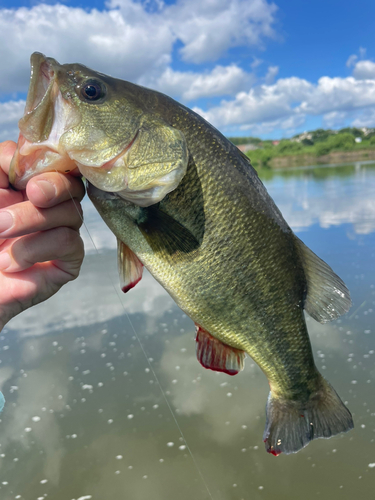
<point>5,261</point>
<point>47,189</point>
<point>6,221</point>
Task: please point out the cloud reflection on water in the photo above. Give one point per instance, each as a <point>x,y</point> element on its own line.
<point>305,200</point>
<point>73,372</point>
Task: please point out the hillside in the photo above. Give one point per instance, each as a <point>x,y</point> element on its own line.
<point>318,146</point>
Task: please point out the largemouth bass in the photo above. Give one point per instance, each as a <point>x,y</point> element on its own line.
<point>185,203</point>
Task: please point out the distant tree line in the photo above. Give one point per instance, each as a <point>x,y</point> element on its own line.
<point>317,143</point>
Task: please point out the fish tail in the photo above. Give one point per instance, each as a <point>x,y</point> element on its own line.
<point>291,425</point>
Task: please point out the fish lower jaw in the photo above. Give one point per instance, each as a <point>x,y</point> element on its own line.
<point>31,159</point>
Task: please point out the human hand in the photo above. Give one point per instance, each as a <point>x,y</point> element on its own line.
<point>40,246</point>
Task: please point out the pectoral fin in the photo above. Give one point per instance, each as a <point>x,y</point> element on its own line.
<point>327,295</point>
<point>215,355</point>
<point>129,266</point>
<point>166,235</point>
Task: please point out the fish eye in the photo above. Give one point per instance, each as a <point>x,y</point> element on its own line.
<point>92,90</point>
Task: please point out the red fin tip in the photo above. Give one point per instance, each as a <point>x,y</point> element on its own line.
<point>214,355</point>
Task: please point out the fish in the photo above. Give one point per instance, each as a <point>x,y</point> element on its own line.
<point>185,203</point>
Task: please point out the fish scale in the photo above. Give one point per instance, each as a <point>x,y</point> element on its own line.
<point>187,204</point>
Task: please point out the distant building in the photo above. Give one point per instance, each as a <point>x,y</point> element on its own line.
<point>358,139</point>
<point>301,137</point>
<point>275,143</point>
<point>367,131</point>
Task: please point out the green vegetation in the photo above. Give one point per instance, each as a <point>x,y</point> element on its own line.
<point>316,173</point>
<point>245,140</point>
<point>317,143</point>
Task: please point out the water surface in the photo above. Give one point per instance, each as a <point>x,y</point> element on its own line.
<point>105,397</point>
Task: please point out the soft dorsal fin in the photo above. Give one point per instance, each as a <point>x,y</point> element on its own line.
<point>215,355</point>
<point>130,268</point>
<point>327,295</point>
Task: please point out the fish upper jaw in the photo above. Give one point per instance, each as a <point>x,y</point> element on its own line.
<point>32,158</point>
<point>47,117</point>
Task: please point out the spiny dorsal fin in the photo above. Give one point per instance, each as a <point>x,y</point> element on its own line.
<point>130,268</point>
<point>215,355</point>
<point>327,295</point>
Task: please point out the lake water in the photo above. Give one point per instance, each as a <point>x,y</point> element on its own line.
<point>105,399</point>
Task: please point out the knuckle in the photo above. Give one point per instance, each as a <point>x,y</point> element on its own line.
<point>75,214</point>
<point>70,243</point>
<point>66,238</point>
<point>23,253</point>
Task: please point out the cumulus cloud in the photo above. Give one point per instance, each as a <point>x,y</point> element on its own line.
<point>265,103</point>
<point>364,119</point>
<point>129,39</point>
<point>189,85</point>
<point>10,113</point>
<point>334,119</point>
<point>364,70</point>
<point>271,74</point>
<point>303,205</point>
<point>336,94</point>
<point>292,99</point>
<point>136,41</point>
<point>127,42</point>
<point>219,25</point>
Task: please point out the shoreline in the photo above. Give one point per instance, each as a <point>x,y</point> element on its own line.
<point>335,157</point>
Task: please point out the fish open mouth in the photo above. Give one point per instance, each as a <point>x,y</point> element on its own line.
<point>41,77</point>
<point>41,126</point>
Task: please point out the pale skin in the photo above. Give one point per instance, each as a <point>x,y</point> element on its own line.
<point>41,250</point>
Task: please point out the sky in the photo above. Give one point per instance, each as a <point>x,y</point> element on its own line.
<point>250,67</point>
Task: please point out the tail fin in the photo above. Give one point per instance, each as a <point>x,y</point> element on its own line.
<point>291,425</point>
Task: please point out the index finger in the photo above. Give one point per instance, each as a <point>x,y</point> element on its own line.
<point>7,150</point>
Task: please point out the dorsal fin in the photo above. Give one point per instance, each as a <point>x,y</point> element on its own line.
<point>215,355</point>
<point>130,268</point>
<point>327,295</point>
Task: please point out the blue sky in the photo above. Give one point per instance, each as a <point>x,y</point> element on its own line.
<point>251,67</point>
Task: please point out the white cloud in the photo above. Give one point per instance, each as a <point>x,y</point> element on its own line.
<point>302,205</point>
<point>334,119</point>
<point>351,60</point>
<point>271,74</point>
<point>288,125</point>
<point>208,29</point>
<point>265,103</point>
<point>135,41</point>
<point>10,113</point>
<point>365,119</point>
<point>362,52</point>
<point>336,94</point>
<point>130,41</point>
<point>191,85</point>
<point>362,117</point>
<point>289,98</point>
<point>364,70</point>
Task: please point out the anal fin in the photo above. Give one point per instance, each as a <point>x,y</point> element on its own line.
<point>130,268</point>
<point>215,355</point>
